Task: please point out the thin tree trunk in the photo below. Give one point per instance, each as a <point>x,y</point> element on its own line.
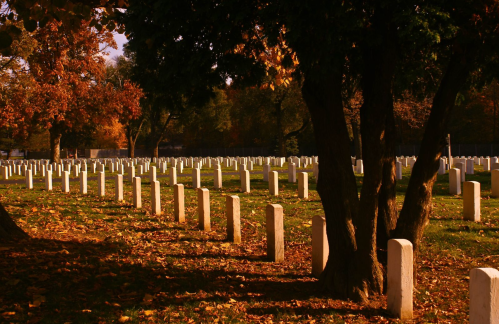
<point>55,145</point>
<point>417,204</point>
<point>281,141</point>
<point>9,153</point>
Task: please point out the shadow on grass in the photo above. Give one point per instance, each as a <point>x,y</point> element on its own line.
<point>53,281</point>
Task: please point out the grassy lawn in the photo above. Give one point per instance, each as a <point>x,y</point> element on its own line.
<point>94,260</point>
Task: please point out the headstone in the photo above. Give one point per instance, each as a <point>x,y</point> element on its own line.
<point>83,182</point>
<point>196,178</point>
<point>303,185</point>
<point>462,167</point>
<point>29,179</point>
<point>204,209</point>
<point>484,296</point>
<point>178,203</point>
<point>359,167</point>
<point>441,168</point>
<point>232,206</point>
<point>65,181</point>
<point>217,177</point>
<point>320,247</point>
<point>471,201</point>
<point>398,170</point>
<point>245,181</point>
<point>101,184</point>
<point>155,198</point>
<point>470,166</point>
<point>274,183</point>
<point>173,176</point>
<point>266,170</point>
<point>131,173</point>
<point>486,164</point>
<point>399,278</point>
<point>292,173</point>
<point>137,192</point>
<point>118,187</point>
<point>495,183</point>
<point>455,181</point>
<point>275,232</point>
<point>152,174</point>
<point>48,180</point>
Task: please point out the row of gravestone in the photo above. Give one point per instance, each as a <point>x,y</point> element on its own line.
<point>399,271</point>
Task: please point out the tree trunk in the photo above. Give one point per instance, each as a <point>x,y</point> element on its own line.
<point>155,151</point>
<point>357,141</point>
<point>8,228</point>
<point>131,147</point>
<point>9,153</point>
<point>417,204</point>
<point>387,203</point>
<point>76,154</point>
<point>336,186</point>
<point>281,141</point>
<point>55,145</point>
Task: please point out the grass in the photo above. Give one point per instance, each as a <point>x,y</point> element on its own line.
<point>94,260</point>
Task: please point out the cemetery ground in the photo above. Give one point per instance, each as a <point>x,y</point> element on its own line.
<point>96,260</point>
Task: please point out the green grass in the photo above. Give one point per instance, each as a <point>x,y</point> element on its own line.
<point>93,259</point>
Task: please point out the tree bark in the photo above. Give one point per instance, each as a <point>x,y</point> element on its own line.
<point>416,210</point>
<point>387,203</point>
<point>8,228</point>
<point>55,145</point>
<point>357,141</point>
<point>336,186</point>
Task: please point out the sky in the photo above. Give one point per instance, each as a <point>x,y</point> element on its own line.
<point>120,40</point>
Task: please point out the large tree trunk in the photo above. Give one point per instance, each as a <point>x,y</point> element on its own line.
<point>387,203</point>
<point>55,145</point>
<point>417,204</point>
<point>8,228</point>
<point>336,186</point>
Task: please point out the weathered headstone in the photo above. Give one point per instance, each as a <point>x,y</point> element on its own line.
<point>495,183</point>
<point>275,232</point>
<point>152,174</point>
<point>178,203</point>
<point>266,170</point>
<point>65,181</point>
<point>137,192</point>
<point>471,201</point>
<point>29,179</point>
<point>233,212</point>
<point>274,183</point>
<point>204,209</point>
<point>217,177</point>
<point>118,187</point>
<point>320,247</point>
<point>83,182</point>
<point>303,185</point>
<point>155,198</point>
<point>484,296</point>
<point>196,178</point>
<point>245,181</point>
<point>48,180</point>
<point>173,176</point>
<point>455,181</point>
<point>399,278</point>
